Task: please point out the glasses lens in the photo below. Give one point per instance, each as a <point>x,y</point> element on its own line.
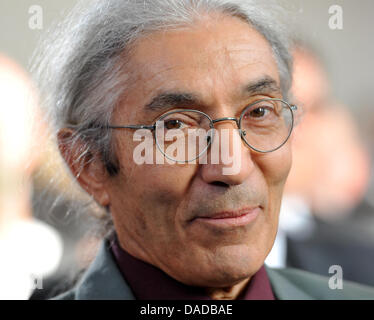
<point>183,136</point>
<point>267,124</point>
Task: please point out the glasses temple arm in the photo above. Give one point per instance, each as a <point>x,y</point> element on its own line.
<point>152,127</point>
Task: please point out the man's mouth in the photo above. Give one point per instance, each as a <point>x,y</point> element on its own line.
<point>230,218</point>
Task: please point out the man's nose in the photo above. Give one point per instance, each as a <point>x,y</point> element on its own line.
<point>228,159</point>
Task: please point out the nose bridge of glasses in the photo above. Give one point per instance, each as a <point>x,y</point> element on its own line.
<point>226,119</point>
<point>241,132</point>
<point>237,121</point>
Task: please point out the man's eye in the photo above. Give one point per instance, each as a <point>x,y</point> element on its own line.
<point>259,112</point>
<point>174,124</point>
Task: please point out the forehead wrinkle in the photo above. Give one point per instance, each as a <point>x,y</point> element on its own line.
<point>141,77</point>
<point>151,86</point>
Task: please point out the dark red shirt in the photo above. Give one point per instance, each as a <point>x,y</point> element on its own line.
<point>150,283</point>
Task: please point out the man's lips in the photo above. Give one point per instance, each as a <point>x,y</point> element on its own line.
<point>230,218</point>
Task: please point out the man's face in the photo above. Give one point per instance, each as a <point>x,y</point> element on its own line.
<point>170,215</point>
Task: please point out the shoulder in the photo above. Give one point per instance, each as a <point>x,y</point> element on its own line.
<point>290,283</point>
<point>101,281</point>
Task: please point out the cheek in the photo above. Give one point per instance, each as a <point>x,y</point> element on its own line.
<point>276,166</point>
<point>154,191</point>
<point>153,187</point>
<point>157,172</point>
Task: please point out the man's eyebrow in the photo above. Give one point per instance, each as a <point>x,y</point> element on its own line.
<point>263,85</point>
<point>167,100</point>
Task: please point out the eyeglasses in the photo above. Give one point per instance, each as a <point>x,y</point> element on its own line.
<point>264,125</point>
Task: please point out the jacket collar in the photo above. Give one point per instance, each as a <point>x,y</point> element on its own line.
<point>103,280</point>
<point>284,289</point>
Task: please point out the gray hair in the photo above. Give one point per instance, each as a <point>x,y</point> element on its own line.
<point>81,66</point>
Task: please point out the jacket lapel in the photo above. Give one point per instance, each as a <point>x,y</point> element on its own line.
<point>103,280</point>
<point>284,289</point>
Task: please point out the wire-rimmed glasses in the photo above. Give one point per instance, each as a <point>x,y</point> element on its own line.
<point>184,135</point>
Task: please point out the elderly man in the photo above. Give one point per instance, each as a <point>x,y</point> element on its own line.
<point>155,76</point>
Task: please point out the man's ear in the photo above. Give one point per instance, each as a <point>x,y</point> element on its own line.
<point>88,169</point>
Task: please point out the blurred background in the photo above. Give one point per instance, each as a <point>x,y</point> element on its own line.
<point>327,215</point>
